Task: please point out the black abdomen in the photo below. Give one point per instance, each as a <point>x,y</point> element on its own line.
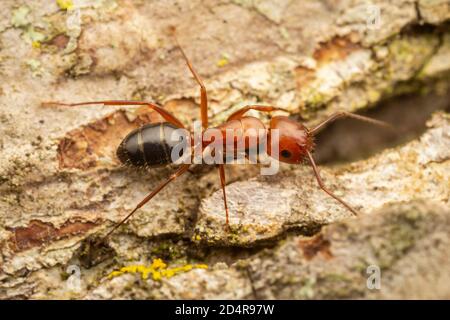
<point>149,145</point>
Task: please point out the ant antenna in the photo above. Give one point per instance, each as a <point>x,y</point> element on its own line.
<point>345,114</point>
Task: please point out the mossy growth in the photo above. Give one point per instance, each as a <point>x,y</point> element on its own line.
<point>307,289</point>
<point>168,250</point>
<point>315,99</point>
<point>92,253</point>
<point>339,286</point>
<point>400,234</point>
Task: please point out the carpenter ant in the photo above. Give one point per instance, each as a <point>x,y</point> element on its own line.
<point>149,145</point>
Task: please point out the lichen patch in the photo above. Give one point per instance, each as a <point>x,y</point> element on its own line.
<point>158,270</point>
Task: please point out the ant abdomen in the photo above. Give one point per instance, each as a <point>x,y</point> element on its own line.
<point>149,145</point>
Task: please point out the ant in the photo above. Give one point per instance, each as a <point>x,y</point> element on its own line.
<point>149,145</point>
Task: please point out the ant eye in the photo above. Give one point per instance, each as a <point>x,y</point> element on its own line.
<point>285,153</point>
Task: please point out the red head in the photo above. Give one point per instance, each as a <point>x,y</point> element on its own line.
<point>294,140</point>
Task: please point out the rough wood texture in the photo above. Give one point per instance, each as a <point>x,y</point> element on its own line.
<point>60,184</point>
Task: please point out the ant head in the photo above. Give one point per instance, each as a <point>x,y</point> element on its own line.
<point>294,140</point>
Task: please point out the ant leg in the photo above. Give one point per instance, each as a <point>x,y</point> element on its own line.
<point>322,186</point>
<point>222,181</point>
<point>345,114</point>
<point>203,96</point>
<point>175,175</point>
<point>240,113</point>
<point>164,113</point>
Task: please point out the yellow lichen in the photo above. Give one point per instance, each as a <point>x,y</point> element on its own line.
<point>65,4</point>
<point>158,270</point>
<point>223,61</point>
<point>158,264</point>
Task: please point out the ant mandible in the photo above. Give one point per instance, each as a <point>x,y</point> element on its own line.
<point>148,145</point>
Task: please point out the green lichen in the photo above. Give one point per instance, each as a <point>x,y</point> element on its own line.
<point>335,277</point>
<point>339,286</point>
<point>167,250</point>
<point>235,233</point>
<point>34,36</point>
<point>399,236</point>
<point>35,67</point>
<point>233,238</point>
<point>407,55</point>
<point>315,99</point>
<point>82,65</point>
<point>204,235</point>
<point>20,17</point>
<point>307,289</point>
